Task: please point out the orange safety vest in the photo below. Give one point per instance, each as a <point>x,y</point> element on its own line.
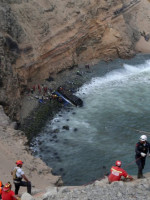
<point>1,187</point>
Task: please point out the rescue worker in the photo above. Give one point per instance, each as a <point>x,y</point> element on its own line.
<point>1,187</point>
<point>7,193</point>
<point>18,180</point>
<point>117,172</point>
<point>141,150</point>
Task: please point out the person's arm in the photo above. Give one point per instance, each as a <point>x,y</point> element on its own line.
<point>16,197</point>
<point>13,196</point>
<point>129,177</point>
<point>138,152</point>
<point>25,178</point>
<point>126,175</point>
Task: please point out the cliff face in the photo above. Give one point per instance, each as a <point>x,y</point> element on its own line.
<point>40,37</point>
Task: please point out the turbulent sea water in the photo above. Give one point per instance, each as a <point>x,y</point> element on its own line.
<point>106,129</point>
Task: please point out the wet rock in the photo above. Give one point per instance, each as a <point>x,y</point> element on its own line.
<point>55,136</point>
<point>55,131</point>
<point>39,142</point>
<point>61,169</point>
<point>66,127</point>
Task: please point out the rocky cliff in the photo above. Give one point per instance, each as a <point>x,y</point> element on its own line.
<point>43,37</point>
<point>99,190</point>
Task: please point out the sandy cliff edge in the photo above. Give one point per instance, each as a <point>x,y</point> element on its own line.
<point>12,148</point>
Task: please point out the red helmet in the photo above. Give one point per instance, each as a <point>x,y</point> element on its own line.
<point>19,162</point>
<point>7,187</point>
<point>118,163</point>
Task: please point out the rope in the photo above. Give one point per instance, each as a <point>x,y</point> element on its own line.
<point>131,163</point>
<point>138,130</point>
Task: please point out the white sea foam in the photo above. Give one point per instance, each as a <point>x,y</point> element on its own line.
<point>112,104</point>
<point>116,77</point>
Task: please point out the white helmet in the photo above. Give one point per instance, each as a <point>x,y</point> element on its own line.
<point>143,138</point>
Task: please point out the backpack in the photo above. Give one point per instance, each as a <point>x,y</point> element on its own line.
<point>13,173</point>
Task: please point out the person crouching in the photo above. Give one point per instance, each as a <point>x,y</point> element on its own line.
<point>117,172</point>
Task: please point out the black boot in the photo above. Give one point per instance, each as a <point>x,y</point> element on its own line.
<point>140,174</point>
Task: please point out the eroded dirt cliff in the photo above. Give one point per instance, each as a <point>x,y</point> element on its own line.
<point>41,37</point>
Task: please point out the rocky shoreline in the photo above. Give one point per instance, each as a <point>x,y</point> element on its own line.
<point>41,174</point>
<point>34,118</point>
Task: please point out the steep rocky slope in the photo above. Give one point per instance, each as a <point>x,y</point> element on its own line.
<point>41,37</point>
<point>100,191</point>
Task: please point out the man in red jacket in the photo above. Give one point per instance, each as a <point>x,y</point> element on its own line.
<point>8,194</point>
<point>117,172</point>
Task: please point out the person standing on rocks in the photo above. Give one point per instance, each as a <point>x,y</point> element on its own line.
<point>18,174</point>
<point>141,150</point>
<point>117,172</point>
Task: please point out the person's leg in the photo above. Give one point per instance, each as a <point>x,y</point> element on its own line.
<point>139,164</point>
<point>26,184</point>
<point>17,186</point>
<point>29,187</point>
<point>143,164</point>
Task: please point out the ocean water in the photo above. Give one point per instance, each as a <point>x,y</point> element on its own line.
<point>116,109</point>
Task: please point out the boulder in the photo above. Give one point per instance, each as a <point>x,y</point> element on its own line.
<point>26,196</point>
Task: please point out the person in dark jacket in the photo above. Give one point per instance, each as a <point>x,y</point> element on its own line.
<point>142,149</point>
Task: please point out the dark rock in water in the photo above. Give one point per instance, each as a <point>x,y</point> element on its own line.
<point>54,173</point>
<point>39,142</point>
<point>57,157</point>
<point>66,127</point>
<point>73,113</point>
<point>55,130</point>
<point>55,136</point>
<point>75,129</point>
<point>61,169</point>
<point>104,167</point>
<point>67,119</point>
